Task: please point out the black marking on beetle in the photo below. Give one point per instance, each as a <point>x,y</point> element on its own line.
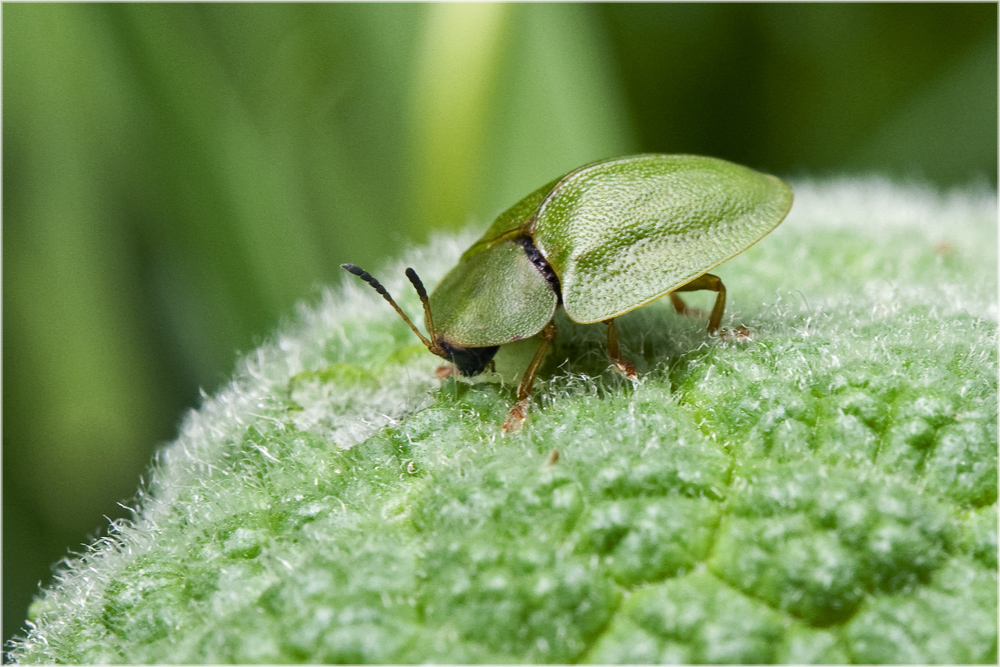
<point>365,276</point>
<point>540,263</point>
<point>469,360</point>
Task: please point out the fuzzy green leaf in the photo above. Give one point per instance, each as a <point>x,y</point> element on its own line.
<point>823,492</point>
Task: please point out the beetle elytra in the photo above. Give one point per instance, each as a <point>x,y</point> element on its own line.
<point>600,241</point>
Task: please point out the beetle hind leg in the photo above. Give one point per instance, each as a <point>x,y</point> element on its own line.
<point>708,282</point>
<point>682,308</point>
<point>614,353</point>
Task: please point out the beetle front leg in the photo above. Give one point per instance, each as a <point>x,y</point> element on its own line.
<point>615,354</point>
<point>515,419</point>
<point>705,282</point>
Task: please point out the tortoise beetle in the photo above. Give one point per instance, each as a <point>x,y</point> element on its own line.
<point>600,241</point>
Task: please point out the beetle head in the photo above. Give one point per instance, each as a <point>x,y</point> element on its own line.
<point>469,360</point>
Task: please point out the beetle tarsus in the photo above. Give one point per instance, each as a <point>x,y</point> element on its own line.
<point>626,369</point>
<point>516,416</point>
<point>740,334</point>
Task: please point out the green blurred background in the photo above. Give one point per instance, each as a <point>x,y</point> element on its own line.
<point>176,177</point>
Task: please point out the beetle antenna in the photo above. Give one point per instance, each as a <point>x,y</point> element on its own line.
<point>377,286</point>
<point>422,293</point>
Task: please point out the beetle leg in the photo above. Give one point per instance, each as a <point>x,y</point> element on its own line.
<point>515,419</point>
<point>682,308</point>
<point>615,354</point>
<point>713,284</point>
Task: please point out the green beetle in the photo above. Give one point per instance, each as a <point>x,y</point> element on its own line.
<point>600,241</point>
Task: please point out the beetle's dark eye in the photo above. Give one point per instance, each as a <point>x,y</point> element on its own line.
<point>469,360</point>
